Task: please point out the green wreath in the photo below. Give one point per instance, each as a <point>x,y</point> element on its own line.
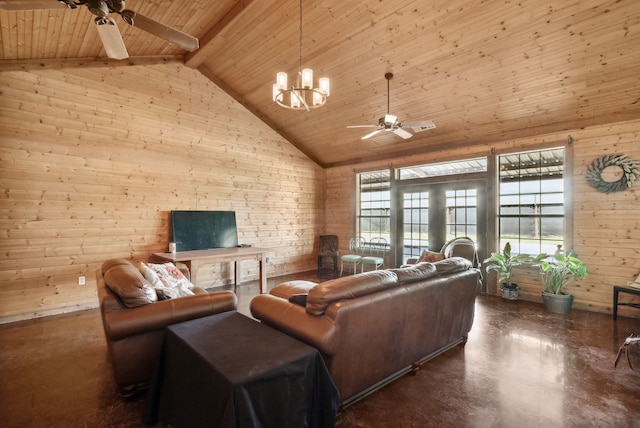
<point>629,167</point>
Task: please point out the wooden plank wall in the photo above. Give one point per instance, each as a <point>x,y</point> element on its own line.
<point>93,160</point>
<point>606,226</point>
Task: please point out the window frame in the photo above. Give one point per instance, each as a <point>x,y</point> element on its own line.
<point>387,202</point>
<point>493,191</point>
<point>491,178</point>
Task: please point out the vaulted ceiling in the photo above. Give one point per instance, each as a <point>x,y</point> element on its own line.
<point>482,71</point>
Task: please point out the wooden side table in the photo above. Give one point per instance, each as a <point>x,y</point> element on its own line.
<point>618,289</point>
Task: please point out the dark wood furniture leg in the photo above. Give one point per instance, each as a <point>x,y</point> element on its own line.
<point>618,289</point>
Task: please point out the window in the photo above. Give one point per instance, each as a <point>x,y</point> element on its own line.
<point>461,218</point>
<point>466,166</point>
<point>531,195</point>
<point>440,201</point>
<point>374,205</point>
<point>415,233</point>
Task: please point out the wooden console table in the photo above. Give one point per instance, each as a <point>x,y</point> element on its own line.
<point>193,259</point>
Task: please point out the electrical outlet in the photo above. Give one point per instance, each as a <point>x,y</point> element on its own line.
<point>266,259</point>
<point>81,280</point>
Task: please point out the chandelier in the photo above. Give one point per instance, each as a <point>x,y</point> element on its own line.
<point>303,95</point>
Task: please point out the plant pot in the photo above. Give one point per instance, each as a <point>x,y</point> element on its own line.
<point>558,303</point>
<point>510,293</point>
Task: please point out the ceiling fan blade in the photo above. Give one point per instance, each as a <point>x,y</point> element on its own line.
<point>363,126</point>
<point>111,38</point>
<point>371,134</point>
<point>420,125</point>
<point>184,40</point>
<point>35,4</point>
<point>402,133</point>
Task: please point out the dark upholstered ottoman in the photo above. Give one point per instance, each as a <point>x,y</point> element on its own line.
<point>228,370</point>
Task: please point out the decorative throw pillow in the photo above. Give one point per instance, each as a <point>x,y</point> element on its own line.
<point>150,275</point>
<point>430,256</point>
<point>167,280</point>
<point>168,273</point>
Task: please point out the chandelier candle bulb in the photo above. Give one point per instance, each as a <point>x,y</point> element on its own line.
<point>295,99</point>
<point>281,80</point>
<point>324,85</point>
<point>317,98</point>
<point>307,78</point>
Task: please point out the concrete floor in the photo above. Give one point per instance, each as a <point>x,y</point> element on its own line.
<point>522,367</point>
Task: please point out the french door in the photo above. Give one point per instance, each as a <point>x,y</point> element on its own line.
<point>429,215</point>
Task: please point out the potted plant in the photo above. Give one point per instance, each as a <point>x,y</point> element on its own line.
<point>558,271</point>
<point>503,263</point>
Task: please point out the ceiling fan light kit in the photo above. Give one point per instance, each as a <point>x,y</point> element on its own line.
<point>301,96</point>
<point>390,122</point>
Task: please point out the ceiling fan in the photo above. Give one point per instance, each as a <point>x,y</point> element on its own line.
<point>390,122</point>
<point>107,29</point>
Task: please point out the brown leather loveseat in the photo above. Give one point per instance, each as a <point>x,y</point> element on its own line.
<point>134,334</point>
<point>375,326</point>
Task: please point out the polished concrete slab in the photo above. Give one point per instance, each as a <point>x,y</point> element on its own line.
<point>522,367</point>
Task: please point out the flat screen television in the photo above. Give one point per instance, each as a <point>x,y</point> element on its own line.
<point>204,230</point>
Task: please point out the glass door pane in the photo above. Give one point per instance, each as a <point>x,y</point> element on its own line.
<point>415,225</point>
<point>433,214</point>
<point>462,206</point>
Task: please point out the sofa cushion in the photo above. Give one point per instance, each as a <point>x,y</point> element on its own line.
<point>453,264</point>
<point>348,287</point>
<point>290,288</point>
<point>417,272</point>
<point>128,283</point>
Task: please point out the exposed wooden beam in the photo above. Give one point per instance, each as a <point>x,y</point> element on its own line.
<point>30,4</point>
<point>42,64</point>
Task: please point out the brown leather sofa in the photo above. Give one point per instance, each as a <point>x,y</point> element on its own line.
<point>376,326</point>
<point>134,334</point>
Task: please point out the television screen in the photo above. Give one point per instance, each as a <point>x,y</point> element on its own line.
<point>204,230</point>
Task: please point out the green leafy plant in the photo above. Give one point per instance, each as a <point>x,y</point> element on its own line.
<point>504,262</point>
<point>560,269</point>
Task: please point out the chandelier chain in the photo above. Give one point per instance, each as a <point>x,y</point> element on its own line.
<point>302,94</point>
<point>300,56</point>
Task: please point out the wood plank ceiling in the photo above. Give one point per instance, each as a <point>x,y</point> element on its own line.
<point>482,71</point>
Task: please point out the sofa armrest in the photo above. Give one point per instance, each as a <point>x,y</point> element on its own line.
<point>292,319</point>
<point>126,322</point>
